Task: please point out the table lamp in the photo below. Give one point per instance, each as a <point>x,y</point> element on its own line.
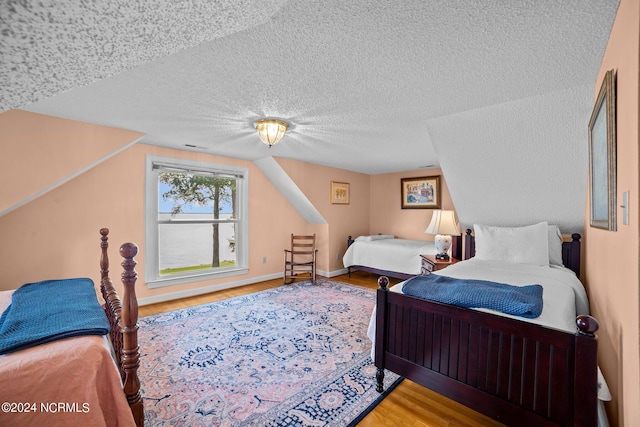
<point>443,224</point>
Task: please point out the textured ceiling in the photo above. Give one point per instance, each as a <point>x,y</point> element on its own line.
<point>370,86</point>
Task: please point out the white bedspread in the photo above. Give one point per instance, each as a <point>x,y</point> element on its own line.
<point>399,255</point>
<point>563,298</point>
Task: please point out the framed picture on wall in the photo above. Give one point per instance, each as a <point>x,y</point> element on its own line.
<point>339,193</point>
<point>420,193</point>
<point>603,156</point>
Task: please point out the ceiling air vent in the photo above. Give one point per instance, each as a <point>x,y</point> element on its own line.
<point>195,146</point>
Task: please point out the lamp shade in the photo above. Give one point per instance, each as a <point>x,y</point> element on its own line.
<point>271,131</point>
<point>443,222</point>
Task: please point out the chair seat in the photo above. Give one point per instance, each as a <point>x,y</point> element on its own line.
<point>299,263</point>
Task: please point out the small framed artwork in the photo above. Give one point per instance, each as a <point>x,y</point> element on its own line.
<point>603,156</point>
<point>420,193</point>
<point>339,193</point>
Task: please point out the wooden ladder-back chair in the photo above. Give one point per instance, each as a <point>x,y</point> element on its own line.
<point>300,260</point>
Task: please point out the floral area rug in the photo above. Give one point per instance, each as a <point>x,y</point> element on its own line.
<point>296,355</point>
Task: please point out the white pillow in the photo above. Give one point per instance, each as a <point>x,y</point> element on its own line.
<point>555,246</point>
<point>382,236</point>
<point>374,237</point>
<point>522,245</point>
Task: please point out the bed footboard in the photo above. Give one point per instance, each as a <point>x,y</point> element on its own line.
<point>123,319</point>
<point>515,372</point>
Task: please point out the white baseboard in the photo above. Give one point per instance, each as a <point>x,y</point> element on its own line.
<point>205,289</point>
<point>333,273</point>
<point>222,286</point>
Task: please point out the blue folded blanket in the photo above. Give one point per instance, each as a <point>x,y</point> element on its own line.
<point>524,301</point>
<point>53,309</point>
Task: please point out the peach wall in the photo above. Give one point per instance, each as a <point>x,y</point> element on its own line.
<point>56,235</point>
<point>611,267</point>
<point>42,145</point>
<point>387,216</point>
<point>343,220</point>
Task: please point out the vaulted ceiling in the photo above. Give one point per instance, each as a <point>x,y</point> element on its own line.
<point>496,93</point>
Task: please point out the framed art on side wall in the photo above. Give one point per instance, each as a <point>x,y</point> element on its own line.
<point>420,193</point>
<point>603,156</point>
<point>339,193</point>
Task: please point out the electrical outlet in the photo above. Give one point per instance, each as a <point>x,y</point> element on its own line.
<point>264,259</point>
<point>337,256</point>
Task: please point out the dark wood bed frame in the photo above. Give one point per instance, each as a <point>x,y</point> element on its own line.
<point>123,319</point>
<point>456,251</point>
<point>515,372</point>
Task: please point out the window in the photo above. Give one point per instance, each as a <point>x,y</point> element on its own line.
<point>196,221</point>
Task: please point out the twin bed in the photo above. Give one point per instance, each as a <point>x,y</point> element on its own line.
<point>383,254</point>
<point>82,379</point>
<point>538,372</point>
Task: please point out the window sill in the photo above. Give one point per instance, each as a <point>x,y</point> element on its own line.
<point>178,279</point>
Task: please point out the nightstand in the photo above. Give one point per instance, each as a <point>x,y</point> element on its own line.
<point>430,263</point>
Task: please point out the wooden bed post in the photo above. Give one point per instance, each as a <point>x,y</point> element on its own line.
<point>571,253</point>
<point>349,243</point>
<point>586,355</point>
<point>123,321</point>
<point>469,245</point>
<point>381,317</point>
<point>130,350</point>
<point>112,303</point>
<point>456,247</point>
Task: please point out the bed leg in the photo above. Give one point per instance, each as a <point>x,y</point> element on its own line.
<point>381,308</point>
<point>379,380</point>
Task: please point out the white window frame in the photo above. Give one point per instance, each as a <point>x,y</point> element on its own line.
<point>152,250</point>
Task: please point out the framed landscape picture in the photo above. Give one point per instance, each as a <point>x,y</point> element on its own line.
<point>420,193</point>
<point>339,193</point>
<point>603,156</point>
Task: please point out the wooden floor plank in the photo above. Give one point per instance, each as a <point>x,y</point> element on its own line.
<point>408,405</point>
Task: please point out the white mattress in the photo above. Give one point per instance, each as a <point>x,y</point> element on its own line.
<point>399,255</point>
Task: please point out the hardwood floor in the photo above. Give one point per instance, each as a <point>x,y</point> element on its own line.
<point>407,405</point>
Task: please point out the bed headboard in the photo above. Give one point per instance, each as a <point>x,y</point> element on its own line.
<point>570,250</point>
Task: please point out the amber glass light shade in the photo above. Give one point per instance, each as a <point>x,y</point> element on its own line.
<point>271,131</point>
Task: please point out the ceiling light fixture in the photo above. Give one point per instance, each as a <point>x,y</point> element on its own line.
<point>271,131</point>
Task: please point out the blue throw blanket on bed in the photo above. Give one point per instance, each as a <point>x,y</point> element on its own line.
<point>50,310</point>
<point>524,301</point>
